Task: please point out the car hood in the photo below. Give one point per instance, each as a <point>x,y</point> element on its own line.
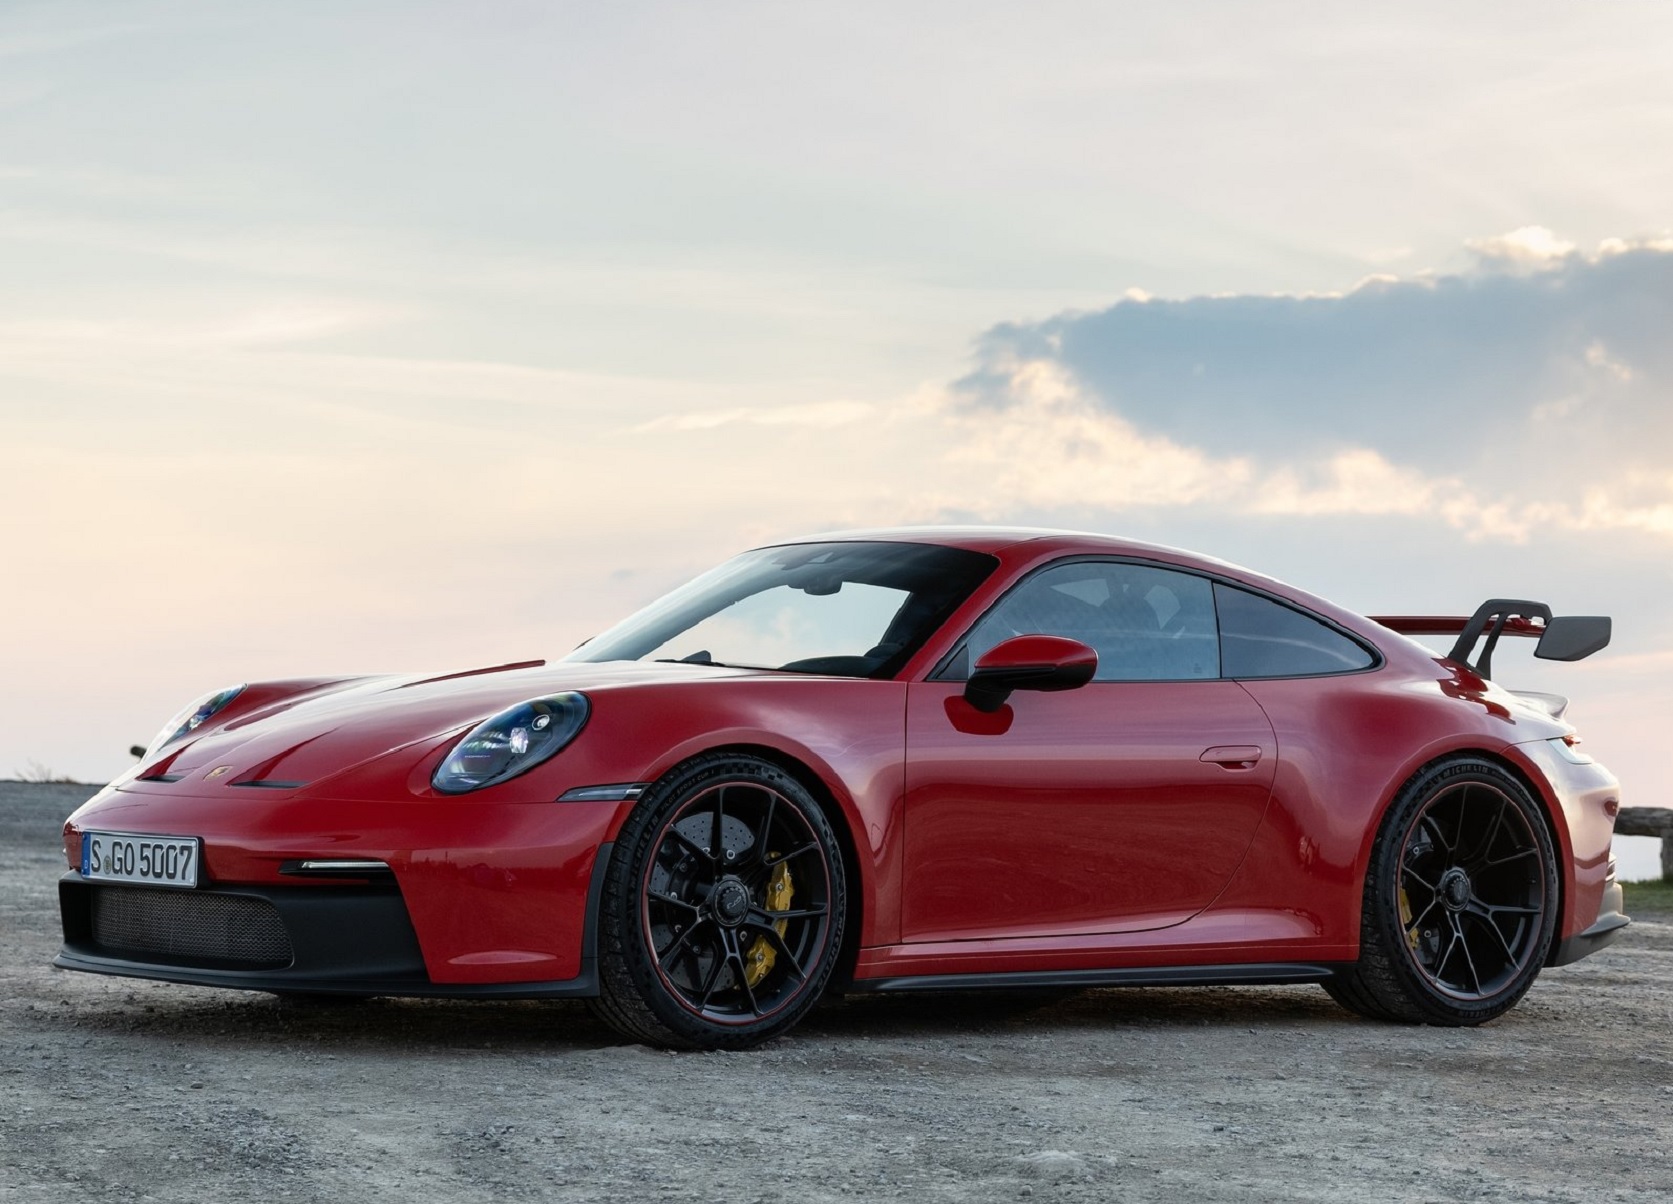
<point>285,735</point>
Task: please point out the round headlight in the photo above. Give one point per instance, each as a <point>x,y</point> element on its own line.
<point>191,718</point>
<point>512,742</point>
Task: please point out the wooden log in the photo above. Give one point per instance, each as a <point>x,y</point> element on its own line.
<point>1645,821</point>
<point>1650,821</point>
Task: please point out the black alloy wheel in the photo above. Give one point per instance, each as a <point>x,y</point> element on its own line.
<point>1460,902</point>
<point>723,908</point>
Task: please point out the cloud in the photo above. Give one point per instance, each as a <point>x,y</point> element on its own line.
<point>1052,447</point>
<point>1529,246</point>
<point>1498,402</point>
<point>813,414</point>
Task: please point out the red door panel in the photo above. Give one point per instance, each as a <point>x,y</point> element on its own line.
<point>1114,807</point>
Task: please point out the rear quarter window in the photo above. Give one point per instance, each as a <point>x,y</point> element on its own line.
<point>1263,638</point>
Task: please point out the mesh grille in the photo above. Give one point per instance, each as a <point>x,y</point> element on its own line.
<point>191,926</point>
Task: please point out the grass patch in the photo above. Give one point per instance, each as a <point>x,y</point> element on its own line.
<point>1649,897</point>
<point>40,775</point>
<point>1651,894</point>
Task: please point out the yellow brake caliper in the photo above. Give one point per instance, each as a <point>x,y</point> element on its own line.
<point>1406,920</point>
<point>758,963</point>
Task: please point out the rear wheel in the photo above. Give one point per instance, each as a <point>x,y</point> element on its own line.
<point>1460,900</point>
<point>722,910</point>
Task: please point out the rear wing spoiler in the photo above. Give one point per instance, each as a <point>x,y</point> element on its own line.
<point>1561,638</point>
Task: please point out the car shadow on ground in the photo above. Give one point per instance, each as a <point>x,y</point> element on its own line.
<point>953,1012</point>
<point>259,1020</point>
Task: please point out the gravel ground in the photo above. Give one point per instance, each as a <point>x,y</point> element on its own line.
<point>115,1089</point>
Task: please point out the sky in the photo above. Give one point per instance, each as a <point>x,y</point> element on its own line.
<point>378,337</point>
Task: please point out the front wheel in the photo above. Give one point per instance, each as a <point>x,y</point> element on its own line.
<point>722,910</point>
<point>1460,900</point>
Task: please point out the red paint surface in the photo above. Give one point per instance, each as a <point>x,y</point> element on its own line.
<point>1093,813</point>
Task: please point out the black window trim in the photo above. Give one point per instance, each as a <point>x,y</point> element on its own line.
<point>943,667</point>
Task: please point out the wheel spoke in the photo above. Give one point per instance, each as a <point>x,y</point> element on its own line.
<point>777,941</point>
<point>717,831</point>
<point>1427,885</point>
<point>1486,846</point>
<point>1435,833</point>
<point>689,843</point>
<point>742,973</point>
<point>1469,961</point>
<point>671,900</point>
<point>765,833</point>
<point>683,939</point>
<point>809,847</point>
<point>1457,845</point>
<point>693,955</point>
<point>1509,857</point>
<point>1418,920</point>
<point>1482,915</point>
<point>1440,967</point>
<point>799,913</point>
<point>708,988</point>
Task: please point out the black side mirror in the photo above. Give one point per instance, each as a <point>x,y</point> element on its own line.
<point>1028,662</point>
<point>1573,637</point>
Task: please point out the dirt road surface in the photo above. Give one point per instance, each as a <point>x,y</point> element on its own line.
<point>121,1090</point>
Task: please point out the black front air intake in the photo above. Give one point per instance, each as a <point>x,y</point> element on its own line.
<point>190,927</point>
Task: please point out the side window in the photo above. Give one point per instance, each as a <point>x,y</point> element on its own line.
<point>1146,624</point>
<point>1261,638</point>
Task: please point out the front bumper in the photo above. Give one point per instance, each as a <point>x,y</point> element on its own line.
<point>349,940</point>
<point>494,892</point>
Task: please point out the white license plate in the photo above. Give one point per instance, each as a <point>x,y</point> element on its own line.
<point>154,860</point>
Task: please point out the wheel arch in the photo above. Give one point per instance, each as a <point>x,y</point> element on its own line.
<point>1556,826</point>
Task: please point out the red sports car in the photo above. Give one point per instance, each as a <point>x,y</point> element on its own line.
<point>901,760</point>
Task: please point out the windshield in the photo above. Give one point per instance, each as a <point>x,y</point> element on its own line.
<point>847,609</point>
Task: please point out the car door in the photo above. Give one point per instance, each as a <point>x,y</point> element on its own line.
<point>1122,805</point>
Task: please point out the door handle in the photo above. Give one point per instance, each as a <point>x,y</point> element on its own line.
<point>1232,756</point>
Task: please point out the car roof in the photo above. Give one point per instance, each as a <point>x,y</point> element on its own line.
<point>1032,543</point>
<point>996,539</point>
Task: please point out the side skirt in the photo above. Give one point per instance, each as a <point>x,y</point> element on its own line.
<point>1251,974</point>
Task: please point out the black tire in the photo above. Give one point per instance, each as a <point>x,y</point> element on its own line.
<point>723,906</point>
<point>1460,901</point>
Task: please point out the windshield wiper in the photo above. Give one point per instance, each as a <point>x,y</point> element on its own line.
<point>700,657</point>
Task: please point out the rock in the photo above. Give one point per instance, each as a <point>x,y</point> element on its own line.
<point>1054,1165</point>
